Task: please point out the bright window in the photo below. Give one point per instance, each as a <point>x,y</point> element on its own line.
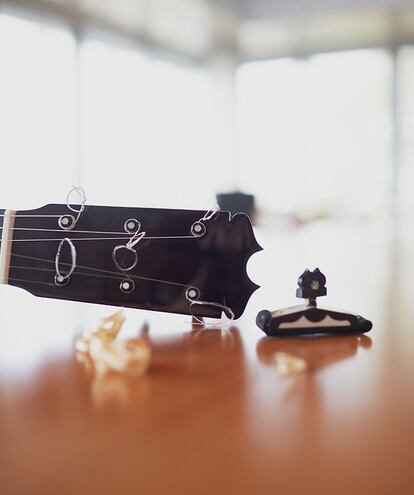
<point>37,113</point>
<point>315,134</point>
<point>146,129</point>
<point>136,129</point>
<point>406,115</point>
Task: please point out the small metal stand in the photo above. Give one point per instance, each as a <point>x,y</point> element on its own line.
<point>308,318</point>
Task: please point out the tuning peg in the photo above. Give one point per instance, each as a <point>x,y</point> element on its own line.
<point>311,285</point>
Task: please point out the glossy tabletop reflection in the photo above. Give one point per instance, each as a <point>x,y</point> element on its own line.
<point>213,414</point>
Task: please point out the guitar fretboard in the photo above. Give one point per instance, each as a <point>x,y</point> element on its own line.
<point>7,224</point>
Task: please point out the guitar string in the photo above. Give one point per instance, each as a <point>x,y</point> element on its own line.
<point>100,270</point>
<point>154,238</point>
<point>148,239</point>
<point>198,320</point>
<point>31,281</point>
<point>192,303</point>
<point>96,275</point>
<point>33,216</point>
<point>61,230</point>
<point>128,234</point>
<point>63,214</point>
<point>21,267</point>
<point>118,276</point>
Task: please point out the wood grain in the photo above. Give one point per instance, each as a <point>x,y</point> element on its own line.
<point>213,415</point>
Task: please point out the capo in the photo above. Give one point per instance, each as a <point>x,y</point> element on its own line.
<point>308,318</point>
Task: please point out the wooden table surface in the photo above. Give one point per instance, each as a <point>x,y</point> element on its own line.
<point>213,414</point>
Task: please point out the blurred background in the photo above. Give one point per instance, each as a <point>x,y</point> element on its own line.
<point>307,105</point>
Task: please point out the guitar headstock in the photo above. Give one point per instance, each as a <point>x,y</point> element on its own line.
<point>179,261</point>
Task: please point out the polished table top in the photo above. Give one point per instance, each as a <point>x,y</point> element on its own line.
<point>213,414</point>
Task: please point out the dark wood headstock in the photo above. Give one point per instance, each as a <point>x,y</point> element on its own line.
<point>183,257</point>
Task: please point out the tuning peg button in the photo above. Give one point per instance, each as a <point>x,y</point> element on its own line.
<point>311,285</point>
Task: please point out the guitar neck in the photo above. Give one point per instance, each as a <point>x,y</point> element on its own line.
<point>134,257</point>
<point>7,226</point>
